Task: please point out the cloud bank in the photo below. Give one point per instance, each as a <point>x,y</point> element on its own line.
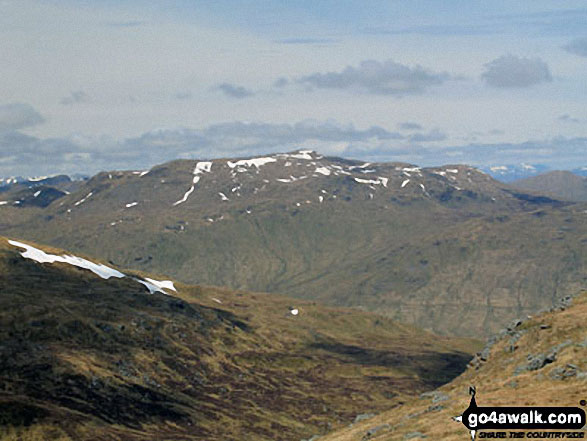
<point>378,78</point>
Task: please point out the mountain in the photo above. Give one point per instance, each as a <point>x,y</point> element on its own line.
<point>420,245</point>
<point>513,172</point>
<point>93,352</point>
<point>54,181</point>
<point>40,191</point>
<point>560,184</point>
<point>539,361</point>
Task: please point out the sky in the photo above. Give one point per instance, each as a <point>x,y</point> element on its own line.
<point>102,85</point>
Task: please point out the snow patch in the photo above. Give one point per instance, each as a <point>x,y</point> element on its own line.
<point>302,154</point>
<point>132,204</point>
<point>379,181</point>
<point>37,193</point>
<point>257,162</point>
<point>223,196</point>
<point>201,167</point>
<point>103,271</point>
<point>84,199</point>
<point>405,183</point>
<point>185,196</point>
<point>162,284</point>
<point>323,170</point>
<point>40,256</point>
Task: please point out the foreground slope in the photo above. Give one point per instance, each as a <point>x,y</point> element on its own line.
<point>421,245</point>
<point>541,361</point>
<point>83,357</point>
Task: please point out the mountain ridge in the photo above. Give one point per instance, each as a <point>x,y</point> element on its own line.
<point>418,244</point>
<point>558,183</point>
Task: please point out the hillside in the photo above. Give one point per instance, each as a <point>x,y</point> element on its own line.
<point>560,184</point>
<point>92,352</point>
<point>540,361</point>
<point>421,245</point>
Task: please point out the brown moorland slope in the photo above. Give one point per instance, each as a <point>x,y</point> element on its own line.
<point>85,358</point>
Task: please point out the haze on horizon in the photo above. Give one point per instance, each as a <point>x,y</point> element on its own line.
<point>89,85</point>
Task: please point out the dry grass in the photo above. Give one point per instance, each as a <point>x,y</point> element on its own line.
<point>496,382</point>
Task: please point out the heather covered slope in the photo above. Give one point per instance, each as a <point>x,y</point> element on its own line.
<point>82,357</point>
<point>541,361</point>
<point>421,245</point>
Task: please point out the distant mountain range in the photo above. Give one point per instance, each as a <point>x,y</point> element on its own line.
<point>89,351</point>
<point>514,172</point>
<point>449,248</point>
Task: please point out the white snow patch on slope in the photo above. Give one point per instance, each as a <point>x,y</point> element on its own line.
<point>103,271</point>
<point>3,202</point>
<point>379,181</point>
<point>185,196</point>
<point>323,170</point>
<point>37,193</point>
<point>162,284</point>
<point>201,167</point>
<point>257,162</point>
<point>302,154</point>
<point>365,165</point>
<point>38,178</point>
<point>132,204</point>
<point>40,256</point>
<point>223,196</point>
<point>84,199</point>
<point>405,183</point>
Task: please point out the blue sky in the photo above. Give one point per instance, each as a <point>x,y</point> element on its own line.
<point>95,85</point>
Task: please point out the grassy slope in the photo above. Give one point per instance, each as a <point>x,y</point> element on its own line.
<point>496,381</point>
<point>86,358</point>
